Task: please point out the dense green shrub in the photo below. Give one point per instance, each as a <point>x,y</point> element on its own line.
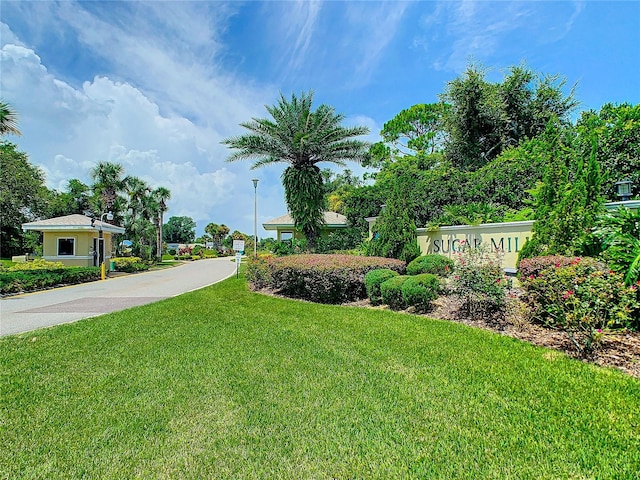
<point>582,298</point>
<point>391,292</point>
<point>480,281</point>
<point>30,280</point>
<point>420,290</point>
<point>323,278</point>
<point>129,264</point>
<point>373,280</point>
<point>433,263</point>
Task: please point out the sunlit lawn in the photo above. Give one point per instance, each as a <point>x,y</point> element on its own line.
<point>224,383</point>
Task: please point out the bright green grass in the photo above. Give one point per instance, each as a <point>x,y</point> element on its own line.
<point>224,383</point>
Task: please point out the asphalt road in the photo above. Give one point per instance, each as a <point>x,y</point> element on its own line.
<point>23,313</point>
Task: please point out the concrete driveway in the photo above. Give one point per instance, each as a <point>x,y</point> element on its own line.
<point>23,313</point>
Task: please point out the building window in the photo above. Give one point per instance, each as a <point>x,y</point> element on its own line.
<point>286,235</point>
<point>66,246</point>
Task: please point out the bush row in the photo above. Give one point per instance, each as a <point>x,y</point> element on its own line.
<point>28,280</point>
<point>318,278</point>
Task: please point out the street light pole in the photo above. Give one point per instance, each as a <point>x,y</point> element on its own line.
<point>255,216</point>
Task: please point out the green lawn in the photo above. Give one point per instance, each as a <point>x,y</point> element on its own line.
<point>225,383</point>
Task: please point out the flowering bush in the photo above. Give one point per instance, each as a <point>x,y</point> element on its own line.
<point>582,297</point>
<point>319,278</point>
<point>373,280</point>
<point>531,267</point>
<point>480,281</point>
<point>434,263</point>
<point>258,271</point>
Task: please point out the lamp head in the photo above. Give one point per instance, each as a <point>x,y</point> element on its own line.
<point>110,216</point>
<point>255,182</point>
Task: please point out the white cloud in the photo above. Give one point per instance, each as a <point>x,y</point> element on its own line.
<point>66,130</point>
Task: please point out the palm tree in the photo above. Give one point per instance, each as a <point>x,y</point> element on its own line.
<point>108,182</point>
<point>8,120</point>
<point>300,137</point>
<point>160,196</point>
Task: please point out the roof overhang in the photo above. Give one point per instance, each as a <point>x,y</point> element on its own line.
<point>107,227</point>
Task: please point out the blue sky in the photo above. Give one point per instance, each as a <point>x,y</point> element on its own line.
<point>156,86</point>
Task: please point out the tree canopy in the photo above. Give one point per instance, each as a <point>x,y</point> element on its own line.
<point>300,137</point>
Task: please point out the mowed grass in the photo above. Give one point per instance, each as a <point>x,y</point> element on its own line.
<point>225,383</point>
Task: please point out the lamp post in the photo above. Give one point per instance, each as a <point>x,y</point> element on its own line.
<point>623,188</point>
<point>109,216</point>
<point>255,216</point>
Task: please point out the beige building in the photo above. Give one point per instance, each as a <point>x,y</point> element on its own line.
<point>284,226</point>
<point>75,240</point>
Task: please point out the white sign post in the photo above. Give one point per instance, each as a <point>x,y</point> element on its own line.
<point>238,246</point>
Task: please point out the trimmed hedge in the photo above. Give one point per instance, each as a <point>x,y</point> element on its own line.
<point>433,263</point>
<point>319,278</point>
<point>30,280</point>
<point>391,292</point>
<point>373,280</point>
<point>420,290</point>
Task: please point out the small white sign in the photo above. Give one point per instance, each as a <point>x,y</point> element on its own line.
<point>238,245</point>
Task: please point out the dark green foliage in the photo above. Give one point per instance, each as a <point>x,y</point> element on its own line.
<point>319,278</point>
<point>619,234</point>
<point>391,292</point>
<point>373,280</point>
<point>304,196</point>
<point>394,233</point>
<point>567,203</point>
<point>30,280</point>
<point>487,118</point>
<point>420,290</point>
<point>617,131</point>
<point>339,240</point>
<point>179,230</point>
<point>22,197</point>
<point>433,263</point>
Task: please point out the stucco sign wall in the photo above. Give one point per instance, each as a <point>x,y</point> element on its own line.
<point>508,237</point>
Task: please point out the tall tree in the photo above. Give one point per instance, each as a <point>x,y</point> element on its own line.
<point>108,183</point>
<point>486,118</point>
<point>218,233</point>
<point>23,196</point>
<point>179,230</point>
<point>160,197</point>
<point>8,120</point>
<point>302,138</point>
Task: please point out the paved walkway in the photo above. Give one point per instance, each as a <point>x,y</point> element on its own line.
<point>23,313</point>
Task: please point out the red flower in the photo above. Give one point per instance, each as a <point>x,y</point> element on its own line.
<point>567,294</point>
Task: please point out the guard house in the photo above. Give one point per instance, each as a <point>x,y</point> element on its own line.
<point>75,240</point>
<point>284,226</point>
